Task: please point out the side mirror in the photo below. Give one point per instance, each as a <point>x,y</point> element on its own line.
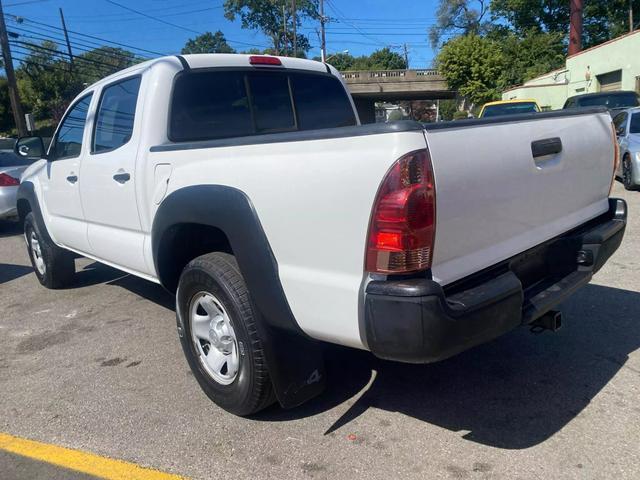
<point>30,147</point>
<point>620,132</point>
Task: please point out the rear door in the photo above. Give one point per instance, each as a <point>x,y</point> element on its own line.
<point>108,172</point>
<point>503,186</point>
<point>61,188</point>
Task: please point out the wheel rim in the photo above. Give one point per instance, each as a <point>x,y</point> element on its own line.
<point>36,251</point>
<point>214,338</point>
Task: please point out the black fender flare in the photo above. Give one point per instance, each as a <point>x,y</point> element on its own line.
<point>294,359</point>
<point>27,192</point>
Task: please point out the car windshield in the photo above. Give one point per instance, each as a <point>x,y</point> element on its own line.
<point>611,100</point>
<point>509,109</point>
<point>634,126</point>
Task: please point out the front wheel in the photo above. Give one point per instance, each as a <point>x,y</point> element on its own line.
<point>627,174</point>
<point>220,339</point>
<point>54,266</point>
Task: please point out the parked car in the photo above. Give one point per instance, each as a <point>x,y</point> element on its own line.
<point>508,107</point>
<point>613,101</point>
<point>246,187</point>
<point>11,167</point>
<point>627,124</point>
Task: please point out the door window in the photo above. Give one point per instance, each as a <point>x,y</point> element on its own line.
<point>116,113</point>
<point>620,122</point>
<point>68,143</point>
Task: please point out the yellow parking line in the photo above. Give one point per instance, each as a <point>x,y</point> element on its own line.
<point>78,461</point>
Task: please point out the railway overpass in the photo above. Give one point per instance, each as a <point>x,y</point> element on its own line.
<point>368,87</point>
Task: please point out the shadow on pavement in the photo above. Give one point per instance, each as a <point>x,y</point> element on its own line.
<point>512,393</point>
<point>9,272</point>
<point>9,228</point>
<point>96,273</point>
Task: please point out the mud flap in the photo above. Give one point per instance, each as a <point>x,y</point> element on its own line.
<point>296,366</point>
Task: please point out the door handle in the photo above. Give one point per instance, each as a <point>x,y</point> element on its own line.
<point>547,146</point>
<point>72,178</point>
<point>122,177</point>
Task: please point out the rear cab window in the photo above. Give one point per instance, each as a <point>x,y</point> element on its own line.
<point>216,104</point>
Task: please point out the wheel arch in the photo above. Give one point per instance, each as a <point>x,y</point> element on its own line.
<point>226,216</point>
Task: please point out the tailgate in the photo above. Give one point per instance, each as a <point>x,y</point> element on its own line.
<point>504,186</point>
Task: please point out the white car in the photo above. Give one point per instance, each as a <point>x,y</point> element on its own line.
<point>246,186</point>
<point>627,124</point>
<point>11,168</point>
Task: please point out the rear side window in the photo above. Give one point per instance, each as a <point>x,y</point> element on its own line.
<point>116,113</point>
<point>224,104</point>
<point>321,102</point>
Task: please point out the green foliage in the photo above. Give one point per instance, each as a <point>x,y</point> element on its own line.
<point>6,117</point>
<point>472,65</point>
<point>47,82</point>
<point>528,56</point>
<point>274,19</point>
<point>208,43</point>
<point>447,109</point>
<point>383,59</point>
<point>462,16</point>
<point>603,19</point>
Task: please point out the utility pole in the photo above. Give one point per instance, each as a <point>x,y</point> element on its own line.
<point>575,27</point>
<point>631,15</point>
<point>14,96</point>
<point>323,43</point>
<point>66,37</point>
<point>406,57</point>
<point>284,29</point>
<point>295,34</point>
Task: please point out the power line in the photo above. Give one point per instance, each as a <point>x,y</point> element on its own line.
<point>75,44</point>
<point>175,25</point>
<point>15,18</point>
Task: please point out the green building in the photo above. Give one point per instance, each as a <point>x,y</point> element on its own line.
<point>613,65</point>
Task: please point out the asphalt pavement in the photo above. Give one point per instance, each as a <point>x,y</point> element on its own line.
<point>99,368</point>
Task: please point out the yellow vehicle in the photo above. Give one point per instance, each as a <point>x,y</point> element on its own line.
<point>508,107</point>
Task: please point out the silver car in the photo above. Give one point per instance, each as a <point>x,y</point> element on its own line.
<point>11,168</point>
<point>627,124</point>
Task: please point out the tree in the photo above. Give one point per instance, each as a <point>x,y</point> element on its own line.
<point>46,82</point>
<point>472,65</point>
<point>208,43</point>
<point>603,19</point>
<point>385,59</point>
<point>6,117</point>
<point>461,16</point>
<point>103,61</point>
<point>274,19</point>
<point>528,56</point>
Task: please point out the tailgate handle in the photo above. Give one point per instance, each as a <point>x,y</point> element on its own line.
<point>547,146</point>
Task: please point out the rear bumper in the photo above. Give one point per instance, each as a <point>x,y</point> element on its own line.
<point>419,321</point>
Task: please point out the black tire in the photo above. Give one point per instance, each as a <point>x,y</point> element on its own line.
<point>627,175</point>
<point>218,274</point>
<point>58,269</point>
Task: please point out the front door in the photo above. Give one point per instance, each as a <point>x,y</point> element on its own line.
<point>61,189</point>
<point>108,190</point>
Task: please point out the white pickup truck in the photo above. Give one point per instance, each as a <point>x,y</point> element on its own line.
<point>246,186</point>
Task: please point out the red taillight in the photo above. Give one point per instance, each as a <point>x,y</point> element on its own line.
<point>402,226</point>
<point>8,181</point>
<point>264,60</point>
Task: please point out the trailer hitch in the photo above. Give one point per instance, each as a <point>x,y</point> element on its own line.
<point>551,320</point>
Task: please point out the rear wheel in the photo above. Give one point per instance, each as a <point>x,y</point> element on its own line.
<point>627,174</point>
<point>220,339</point>
<point>54,266</point>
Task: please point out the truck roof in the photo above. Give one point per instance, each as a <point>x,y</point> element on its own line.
<point>212,60</point>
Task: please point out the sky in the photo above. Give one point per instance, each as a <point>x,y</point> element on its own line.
<point>360,26</point>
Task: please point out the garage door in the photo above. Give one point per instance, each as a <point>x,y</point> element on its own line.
<point>611,81</point>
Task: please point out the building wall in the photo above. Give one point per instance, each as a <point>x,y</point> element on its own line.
<point>582,71</point>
